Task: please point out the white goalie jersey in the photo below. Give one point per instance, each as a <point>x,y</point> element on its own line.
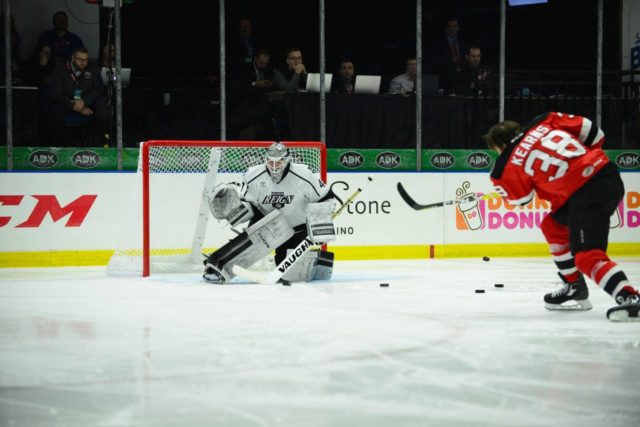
<point>291,195</point>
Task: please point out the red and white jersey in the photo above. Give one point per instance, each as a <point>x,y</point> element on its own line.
<point>299,187</point>
<point>553,157</point>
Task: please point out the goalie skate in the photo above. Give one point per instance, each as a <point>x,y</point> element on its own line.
<point>213,274</point>
<point>571,296</point>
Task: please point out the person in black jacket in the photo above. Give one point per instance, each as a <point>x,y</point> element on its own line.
<point>471,79</point>
<point>447,57</point>
<point>248,104</point>
<point>346,78</point>
<point>294,77</point>
<point>77,93</point>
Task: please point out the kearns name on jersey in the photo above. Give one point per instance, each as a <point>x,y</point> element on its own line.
<point>523,148</point>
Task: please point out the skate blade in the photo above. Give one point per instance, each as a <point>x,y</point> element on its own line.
<point>573,305</point>
<point>624,313</point>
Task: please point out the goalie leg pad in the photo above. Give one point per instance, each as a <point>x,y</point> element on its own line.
<point>313,265</point>
<point>252,245</point>
<point>324,266</point>
<point>303,269</point>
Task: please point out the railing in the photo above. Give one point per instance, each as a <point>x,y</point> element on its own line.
<point>190,110</point>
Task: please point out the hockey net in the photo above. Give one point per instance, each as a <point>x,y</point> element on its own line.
<point>169,226</point>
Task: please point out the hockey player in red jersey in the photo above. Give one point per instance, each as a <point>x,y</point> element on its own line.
<point>559,156</point>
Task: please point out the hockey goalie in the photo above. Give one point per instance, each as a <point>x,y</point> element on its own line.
<point>284,203</point>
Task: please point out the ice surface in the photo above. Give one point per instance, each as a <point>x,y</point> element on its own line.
<point>79,348</point>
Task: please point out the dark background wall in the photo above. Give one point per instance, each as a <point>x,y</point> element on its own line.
<point>558,35</point>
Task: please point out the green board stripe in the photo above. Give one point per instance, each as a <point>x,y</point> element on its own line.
<point>338,160</point>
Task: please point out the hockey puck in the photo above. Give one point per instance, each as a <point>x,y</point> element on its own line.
<point>486,258</point>
<point>479,291</point>
<point>499,285</point>
<point>286,283</point>
<point>384,285</point>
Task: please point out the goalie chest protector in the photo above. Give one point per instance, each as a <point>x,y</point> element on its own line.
<point>298,187</point>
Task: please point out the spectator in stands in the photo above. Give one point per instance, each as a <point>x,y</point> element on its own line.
<point>294,77</point>
<point>62,41</point>
<point>249,115</point>
<point>259,73</point>
<point>448,56</point>
<point>471,79</point>
<point>405,82</point>
<point>37,72</point>
<point>346,78</point>
<point>242,48</point>
<point>15,50</point>
<point>107,56</point>
<point>42,67</point>
<point>76,92</point>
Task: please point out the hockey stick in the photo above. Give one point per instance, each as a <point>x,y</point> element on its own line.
<point>297,253</point>
<point>465,199</point>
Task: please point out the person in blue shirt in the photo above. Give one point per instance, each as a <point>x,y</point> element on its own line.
<point>61,41</point>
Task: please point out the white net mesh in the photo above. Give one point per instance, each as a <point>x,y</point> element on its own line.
<point>181,227</point>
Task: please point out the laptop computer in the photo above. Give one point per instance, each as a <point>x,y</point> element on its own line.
<point>367,84</point>
<point>313,82</point>
<point>125,75</point>
<point>430,84</point>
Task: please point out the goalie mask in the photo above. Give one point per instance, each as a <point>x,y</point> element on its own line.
<point>277,161</point>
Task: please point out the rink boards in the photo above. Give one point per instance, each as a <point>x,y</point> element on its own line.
<point>54,219</point>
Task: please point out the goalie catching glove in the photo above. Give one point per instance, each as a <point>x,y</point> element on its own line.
<point>225,203</point>
<point>320,222</point>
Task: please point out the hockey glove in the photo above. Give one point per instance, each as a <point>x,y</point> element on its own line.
<point>223,200</point>
<point>320,223</point>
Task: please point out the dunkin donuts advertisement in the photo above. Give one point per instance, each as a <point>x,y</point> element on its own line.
<point>487,214</point>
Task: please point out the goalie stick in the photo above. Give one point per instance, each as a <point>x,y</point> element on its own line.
<point>297,253</point>
<point>466,199</point>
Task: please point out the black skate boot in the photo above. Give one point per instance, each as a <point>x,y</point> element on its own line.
<point>572,296</point>
<point>629,308</point>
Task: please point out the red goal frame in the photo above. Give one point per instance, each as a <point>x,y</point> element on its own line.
<point>146,240</point>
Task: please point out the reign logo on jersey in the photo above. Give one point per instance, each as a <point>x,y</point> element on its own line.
<point>277,199</point>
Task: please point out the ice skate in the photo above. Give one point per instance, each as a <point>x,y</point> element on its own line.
<point>572,296</point>
<point>629,308</point>
<point>213,275</point>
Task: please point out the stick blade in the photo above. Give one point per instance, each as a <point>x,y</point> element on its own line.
<point>405,196</point>
<point>253,276</point>
<point>415,205</point>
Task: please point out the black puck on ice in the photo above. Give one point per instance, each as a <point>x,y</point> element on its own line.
<point>499,285</point>
<point>384,285</point>
<point>285,282</point>
<point>486,258</point>
<point>479,291</point>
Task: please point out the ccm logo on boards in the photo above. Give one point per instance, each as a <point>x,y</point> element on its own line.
<point>77,210</point>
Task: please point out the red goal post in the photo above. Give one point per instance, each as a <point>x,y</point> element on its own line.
<point>168,232</point>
